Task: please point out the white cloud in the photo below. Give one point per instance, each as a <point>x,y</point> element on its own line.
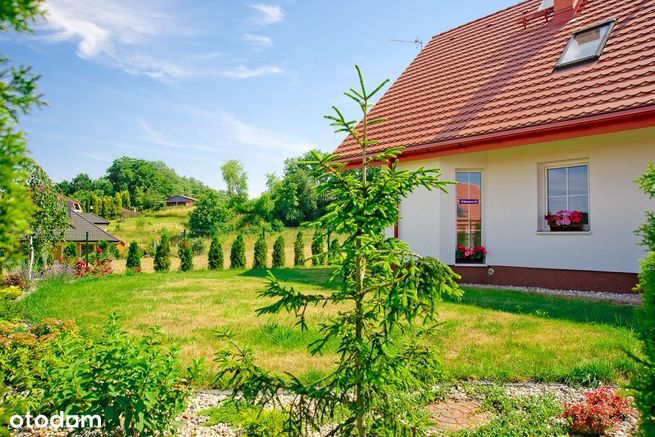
<point>258,40</point>
<point>268,14</point>
<point>243,72</point>
<point>156,137</point>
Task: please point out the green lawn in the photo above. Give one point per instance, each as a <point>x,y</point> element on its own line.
<point>490,334</point>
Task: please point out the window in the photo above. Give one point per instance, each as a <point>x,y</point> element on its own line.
<point>567,198</point>
<point>469,218</point>
<point>585,45</point>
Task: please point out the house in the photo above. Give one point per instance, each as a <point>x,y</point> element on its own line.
<point>85,227</point>
<point>543,107</point>
<point>180,201</point>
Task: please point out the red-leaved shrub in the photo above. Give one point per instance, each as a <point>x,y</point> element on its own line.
<point>601,411</point>
<point>99,265</point>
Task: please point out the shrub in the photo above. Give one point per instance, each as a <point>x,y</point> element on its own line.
<point>278,252</point>
<point>70,251</point>
<point>238,253</point>
<point>99,265</point>
<point>261,253</point>
<point>163,255</point>
<point>318,249</point>
<point>113,251</point>
<point>215,255</point>
<point>185,254</point>
<point>299,250</point>
<point>17,279</point>
<point>198,246</point>
<point>600,412</point>
<point>133,256</point>
<point>252,421</point>
<point>643,378</point>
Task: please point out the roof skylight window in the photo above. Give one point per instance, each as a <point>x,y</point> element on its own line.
<point>585,45</point>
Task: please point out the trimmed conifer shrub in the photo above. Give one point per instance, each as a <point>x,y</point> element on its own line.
<point>278,252</point>
<point>299,250</point>
<point>317,249</point>
<point>261,253</point>
<point>238,253</point>
<point>163,255</point>
<point>215,255</point>
<point>185,253</point>
<point>133,256</point>
<point>70,251</point>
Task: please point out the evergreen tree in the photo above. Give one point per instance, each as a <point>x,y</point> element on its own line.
<point>133,256</point>
<point>215,255</point>
<point>185,253</point>
<point>317,249</point>
<point>238,253</point>
<point>163,255</point>
<point>299,250</point>
<point>97,205</point>
<point>278,252</point>
<point>70,251</point>
<point>261,253</point>
<point>127,200</point>
<point>118,205</point>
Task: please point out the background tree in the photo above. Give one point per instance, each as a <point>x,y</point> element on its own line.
<point>162,262</point>
<point>209,215</point>
<point>643,379</point>
<point>386,292</point>
<point>49,220</point>
<point>278,252</point>
<point>238,253</point>
<point>133,256</point>
<point>18,96</point>
<point>261,253</point>
<point>236,181</point>
<point>215,255</point>
<point>185,254</point>
<point>318,248</point>
<point>299,250</point>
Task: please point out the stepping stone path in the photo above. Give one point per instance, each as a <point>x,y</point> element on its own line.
<point>453,415</point>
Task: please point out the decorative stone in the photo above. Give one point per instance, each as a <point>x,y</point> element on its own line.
<point>456,414</point>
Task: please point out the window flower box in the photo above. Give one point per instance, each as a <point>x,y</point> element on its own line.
<point>470,255</point>
<point>567,221</point>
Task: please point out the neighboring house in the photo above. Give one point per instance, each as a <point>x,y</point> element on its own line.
<point>541,107</point>
<point>180,201</point>
<point>82,223</point>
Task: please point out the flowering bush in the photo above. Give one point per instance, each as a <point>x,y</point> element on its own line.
<point>566,218</point>
<point>99,265</point>
<point>475,253</point>
<point>600,412</point>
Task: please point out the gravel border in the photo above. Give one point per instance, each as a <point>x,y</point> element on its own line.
<point>598,296</point>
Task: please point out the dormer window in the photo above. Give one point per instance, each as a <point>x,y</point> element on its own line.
<point>585,45</point>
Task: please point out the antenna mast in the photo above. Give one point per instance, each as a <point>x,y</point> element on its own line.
<point>417,42</point>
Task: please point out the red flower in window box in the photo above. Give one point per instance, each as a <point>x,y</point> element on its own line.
<point>473,254</point>
<point>566,220</point>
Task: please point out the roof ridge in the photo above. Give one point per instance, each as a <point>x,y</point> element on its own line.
<point>95,226</point>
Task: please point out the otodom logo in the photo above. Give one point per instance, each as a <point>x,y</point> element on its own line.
<point>57,421</point>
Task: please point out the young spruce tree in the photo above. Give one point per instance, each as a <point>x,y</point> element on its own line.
<point>299,250</point>
<point>643,379</point>
<point>278,252</point>
<point>238,253</point>
<point>261,253</point>
<point>215,255</point>
<point>318,249</point>
<point>163,255</point>
<point>185,253</point>
<point>133,256</point>
<point>387,299</point>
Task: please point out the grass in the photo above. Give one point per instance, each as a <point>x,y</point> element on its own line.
<point>494,335</point>
<point>147,228</point>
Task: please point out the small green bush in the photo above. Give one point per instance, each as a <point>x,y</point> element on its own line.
<point>133,257</point>
<point>70,251</point>
<point>163,255</point>
<point>299,250</point>
<point>185,253</point>
<point>215,255</point>
<point>198,246</point>
<point>238,253</point>
<point>261,253</point>
<point>113,251</point>
<point>278,252</point>
<point>318,249</point>
<point>251,420</point>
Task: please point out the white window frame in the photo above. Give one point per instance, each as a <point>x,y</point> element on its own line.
<point>483,211</point>
<point>542,226</point>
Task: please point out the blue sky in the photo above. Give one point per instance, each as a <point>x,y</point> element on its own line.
<point>195,83</point>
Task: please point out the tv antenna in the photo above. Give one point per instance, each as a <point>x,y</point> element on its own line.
<point>417,42</point>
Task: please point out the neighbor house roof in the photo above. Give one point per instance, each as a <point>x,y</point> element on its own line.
<point>180,199</point>
<point>79,226</point>
<point>95,219</point>
<point>492,83</point>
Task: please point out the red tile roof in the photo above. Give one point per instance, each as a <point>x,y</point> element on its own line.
<point>492,77</point>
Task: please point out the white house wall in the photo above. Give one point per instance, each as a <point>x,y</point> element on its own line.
<point>511,199</point>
